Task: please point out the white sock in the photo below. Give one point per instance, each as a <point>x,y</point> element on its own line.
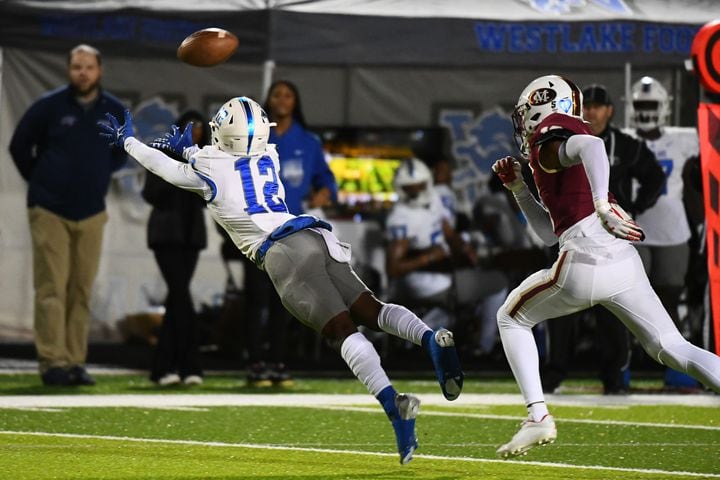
<point>364,361</point>
<point>401,322</point>
<point>537,411</point>
<point>522,355</point>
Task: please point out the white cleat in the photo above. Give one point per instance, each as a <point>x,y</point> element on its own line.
<point>531,434</point>
<point>169,379</point>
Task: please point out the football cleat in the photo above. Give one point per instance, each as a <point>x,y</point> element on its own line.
<point>531,434</point>
<point>192,380</point>
<point>404,426</point>
<point>259,376</point>
<point>168,380</point>
<point>279,376</point>
<point>447,364</point>
<point>80,376</point>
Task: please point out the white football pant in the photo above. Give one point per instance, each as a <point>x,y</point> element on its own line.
<point>613,277</point>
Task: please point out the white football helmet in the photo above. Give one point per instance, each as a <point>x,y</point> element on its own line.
<point>410,173</point>
<point>650,104</point>
<point>542,97</point>
<point>240,127</point>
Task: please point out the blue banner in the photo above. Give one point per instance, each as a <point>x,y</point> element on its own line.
<point>584,37</point>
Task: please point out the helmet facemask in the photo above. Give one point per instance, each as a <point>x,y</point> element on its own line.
<point>413,183</point>
<point>520,136</point>
<point>417,195</point>
<point>650,105</point>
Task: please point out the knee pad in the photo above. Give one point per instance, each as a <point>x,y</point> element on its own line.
<point>504,320</point>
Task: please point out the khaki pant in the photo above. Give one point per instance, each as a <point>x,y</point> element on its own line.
<point>66,256</point>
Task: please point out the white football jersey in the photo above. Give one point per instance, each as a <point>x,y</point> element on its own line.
<point>422,227</point>
<point>244,194</point>
<point>665,222</point>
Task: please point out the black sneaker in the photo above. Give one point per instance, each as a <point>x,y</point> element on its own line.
<point>279,375</point>
<point>56,377</point>
<point>259,376</point>
<point>80,376</point>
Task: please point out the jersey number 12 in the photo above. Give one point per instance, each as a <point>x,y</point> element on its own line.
<point>271,201</point>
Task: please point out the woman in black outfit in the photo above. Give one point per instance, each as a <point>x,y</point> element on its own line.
<point>176,234</point>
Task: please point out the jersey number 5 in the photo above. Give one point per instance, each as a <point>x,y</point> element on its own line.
<point>265,168</point>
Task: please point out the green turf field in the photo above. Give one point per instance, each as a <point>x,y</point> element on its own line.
<point>315,434</point>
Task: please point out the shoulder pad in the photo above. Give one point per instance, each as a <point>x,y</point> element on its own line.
<point>559,126</point>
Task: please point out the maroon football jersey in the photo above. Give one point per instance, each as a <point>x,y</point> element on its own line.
<point>566,194</point>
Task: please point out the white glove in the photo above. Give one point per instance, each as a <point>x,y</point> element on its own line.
<point>509,171</point>
<point>617,221</point>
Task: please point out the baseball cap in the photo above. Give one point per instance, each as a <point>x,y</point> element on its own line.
<point>596,93</point>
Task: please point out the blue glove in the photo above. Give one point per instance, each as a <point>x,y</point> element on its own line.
<point>174,142</point>
<point>115,132</point>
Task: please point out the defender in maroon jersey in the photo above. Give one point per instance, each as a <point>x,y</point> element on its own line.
<point>597,263</point>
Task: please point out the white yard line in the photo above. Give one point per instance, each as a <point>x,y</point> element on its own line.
<point>355,452</point>
<point>516,419</point>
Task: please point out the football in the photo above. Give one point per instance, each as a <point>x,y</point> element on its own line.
<point>207,47</point>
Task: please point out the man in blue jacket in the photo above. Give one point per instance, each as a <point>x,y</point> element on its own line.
<point>68,169</point>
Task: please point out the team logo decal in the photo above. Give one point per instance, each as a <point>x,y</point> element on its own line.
<point>541,96</point>
<point>221,116</point>
<point>565,105</point>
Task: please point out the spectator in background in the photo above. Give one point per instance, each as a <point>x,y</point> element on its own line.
<point>665,252</point>
<point>309,185</point>
<point>176,234</point>
<point>630,161</point>
<point>442,183</point>
<point>696,278</point>
<point>309,182</point>
<point>68,169</point>
<point>633,168</point>
<point>429,263</point>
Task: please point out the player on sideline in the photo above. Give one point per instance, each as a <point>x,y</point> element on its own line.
<point>238,176</point>
<point>666,251</point>
<point>597,264</point>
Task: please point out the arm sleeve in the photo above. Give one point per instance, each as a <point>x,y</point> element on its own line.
<point>651,177</point>
<point>395,230</point>
<point>26,141</point>
<point>177,173</point>
<point>590,151</point>
<point>538,218</point>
